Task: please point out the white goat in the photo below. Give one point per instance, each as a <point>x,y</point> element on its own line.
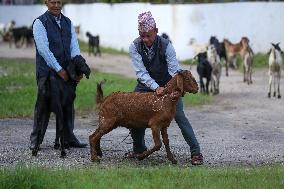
<point>275,62</point>
<point>247,66</point>
<point>214,61</point>
<point>197,48</point>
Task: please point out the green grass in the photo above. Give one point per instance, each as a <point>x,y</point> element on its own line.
<point>164,176</point>
<point>109,50</point>
<point>18,89</point>
<point>260,61</point>
<point>189,62</point>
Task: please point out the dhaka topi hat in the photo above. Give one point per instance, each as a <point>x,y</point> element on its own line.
<point>146,22</point>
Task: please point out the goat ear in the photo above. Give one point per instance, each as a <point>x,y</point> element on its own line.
<point>180,82</point>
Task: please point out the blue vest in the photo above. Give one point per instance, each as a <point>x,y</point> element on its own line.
<point>157,67</point>
<point>59,39</point>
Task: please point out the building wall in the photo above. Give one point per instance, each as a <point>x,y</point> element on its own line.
<point>261,22</point>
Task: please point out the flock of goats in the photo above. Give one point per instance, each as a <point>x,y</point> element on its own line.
<point>210,55</point>
<point>16,35</point>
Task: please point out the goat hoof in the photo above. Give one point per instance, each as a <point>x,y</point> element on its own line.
<point>274,94</point>
<point>56,146</point>
<point>99,153</point>
<point>34,153</point>
<point>141,157</point>
<point>174,161</point>
<point>66,146</point>
<point>95,159</point>
<point>63,154</point>
<point>279,96</point>
<point>269,95</point>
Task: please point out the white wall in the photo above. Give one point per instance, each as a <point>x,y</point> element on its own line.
<point>22,14</point>
<point>261,22</point>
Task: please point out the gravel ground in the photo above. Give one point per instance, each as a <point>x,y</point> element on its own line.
<point>242,127</point>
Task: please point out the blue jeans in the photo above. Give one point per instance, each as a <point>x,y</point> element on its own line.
<point>184,125</point>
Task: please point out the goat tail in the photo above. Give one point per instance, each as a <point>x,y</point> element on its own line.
<point>100,94</point>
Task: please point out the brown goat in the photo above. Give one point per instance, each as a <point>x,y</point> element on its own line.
<point>141,110</point>
<point>232,50</point>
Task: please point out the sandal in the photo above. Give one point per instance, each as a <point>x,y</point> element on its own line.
<point>131,155</point>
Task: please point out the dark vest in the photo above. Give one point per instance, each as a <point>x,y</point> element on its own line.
<point>59,39</point>
<point>157,67</point>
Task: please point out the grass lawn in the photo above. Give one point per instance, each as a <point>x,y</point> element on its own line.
<point>18,89</point>
<point>163,176</point>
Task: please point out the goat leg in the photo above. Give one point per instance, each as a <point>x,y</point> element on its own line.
<point>95,146</point>
<point>60,125</point>
<point>36,148</point>
<point>62,147</point>
<point>99,51</point>
<point>98,148</point>
<point>165,137</point>
<point>157,141</point>
<point>56,142</point>
<point>226,66</point>
<point>278,86</point>
<point>270,83</point>
<point>94,139</point>
<point>207,86</point>
<point>244,70</point>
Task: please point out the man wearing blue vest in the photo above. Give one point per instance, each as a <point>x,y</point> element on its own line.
<point>154,61</point>
<point>56,44</point>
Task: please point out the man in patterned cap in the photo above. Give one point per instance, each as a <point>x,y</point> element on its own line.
<point>155,63</point>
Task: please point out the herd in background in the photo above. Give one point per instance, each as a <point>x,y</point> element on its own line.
<point>208,56</point>
<point>17,35</point>
<point>24,35</point>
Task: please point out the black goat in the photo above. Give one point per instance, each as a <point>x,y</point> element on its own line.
<point>94,44</point>
<point>20,35</point>
<point>60,96</point>
<point>204,70</point>
<point>220,47</point>
<point>76,67</point>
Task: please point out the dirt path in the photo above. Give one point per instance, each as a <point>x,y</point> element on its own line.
<point>243,126</point>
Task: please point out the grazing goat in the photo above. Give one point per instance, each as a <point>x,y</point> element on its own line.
<point>204,70</point>
<point>94,44</point>
<point>275,62</point>
<point>197,48</point>
<point>60,95</point>
<point>247,66</point>
<point>141,110</point>
<point>214,60</point>
<point>232,50</point>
